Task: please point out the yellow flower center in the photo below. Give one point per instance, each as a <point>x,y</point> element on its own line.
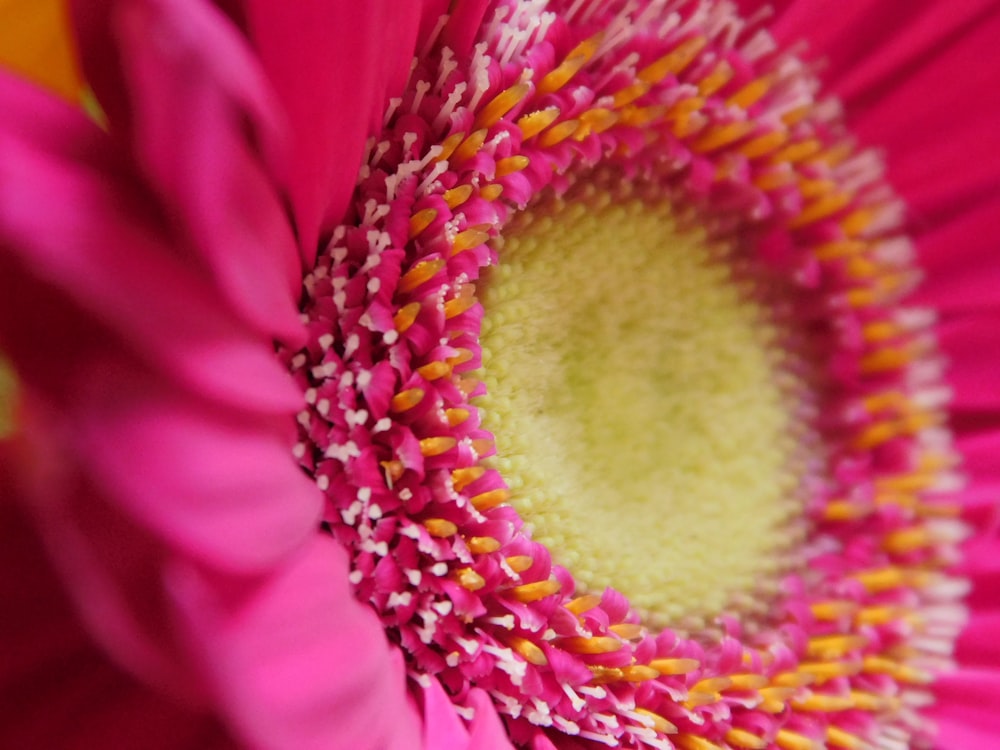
<point>639,404</point>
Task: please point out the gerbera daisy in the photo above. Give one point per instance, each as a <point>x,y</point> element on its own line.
<point>565,393</point>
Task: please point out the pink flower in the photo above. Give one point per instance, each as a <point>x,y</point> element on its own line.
<point>174,585</point>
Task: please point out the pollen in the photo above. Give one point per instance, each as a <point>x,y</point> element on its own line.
<point>632,393</point>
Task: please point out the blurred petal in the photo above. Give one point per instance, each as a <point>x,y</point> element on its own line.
<point>214,485</point>
<point>189,87</point>
<point>109,250</point>
<point>970,341</point>
<point>57,688</point>
<point>297,661</point>
<point>960,259</point>
<point>334,65</point>
<point>967,711</point>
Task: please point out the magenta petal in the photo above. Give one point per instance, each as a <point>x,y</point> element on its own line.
<point>969,341</point>
<point>109,565</point>
<point>193,87</point>
<point>216,486</point>
<point>961,261</point>
<point>444,728</point>
<point>442,725</point>
<point>334,65</point>
<point>488,732</point>
<point>295,660</point>
<point>70,218</point>
<point>57,689</point>
<point>967,711</point>
<point>979,646</point>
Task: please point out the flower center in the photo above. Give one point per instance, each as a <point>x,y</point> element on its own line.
<point>635,392</point>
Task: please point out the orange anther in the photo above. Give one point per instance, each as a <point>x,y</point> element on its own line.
<point>488,500</point>
<point>435,446</point>
<point>532,592</point>
<point>440,527</point>
<point>501,104</point>
<point>421,220</point>
<point>406,400</point>
<point>421,272</point>
<point>461,478</point>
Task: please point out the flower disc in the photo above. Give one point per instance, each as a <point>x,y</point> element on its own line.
<point>634,386</point>
<point>692,101</point>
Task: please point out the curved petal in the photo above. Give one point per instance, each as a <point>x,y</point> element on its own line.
<point>444,728</point>
<point>296,661</point>
<point>213,482</point>
<point>970,340</point>
<point>334,64</point>
<point>960,262</point>
<point>57,688</point>
<point>180,86</point>
<point>74,218</point>
<point>215,485</point>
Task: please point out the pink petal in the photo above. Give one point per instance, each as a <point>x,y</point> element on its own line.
<point>57,689</point>
<point>73,219</point>
<point>212,484</point>
<point>488,732</point>
<point>334,64</point>
<point>295,660</point>
<point>191,87</point>
<point>442,726</point>
<point>969,342</point>
<point>960,260</point>
<point>109,565</point>
<point>967,711</point>
<point>979,646</point>
<point>215,483</point>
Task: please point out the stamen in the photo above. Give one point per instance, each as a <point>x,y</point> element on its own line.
<point>406,400</point>
<point>529,650</point>
<point>501,104</point>
<point>743,739</point>
<point>406,317</point>
<point>511,164</point>
<point>421,220</point>
<point>519,563</point>
<point>470,146</point>
<point>457,195</point>
<point>435,446</point>
<point>694,742</point>
<point>594,645</point>
<point>575,60</point>
<point>532,592</point>
<point>558,133</point>
<point>674,666</point>
<point>462,478</point>
<point>789,740</point>
<point>439,527</point>
<point>489,500</point>
<point>481,545</point>
<point>535,122</point>
<point>658,722</point>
